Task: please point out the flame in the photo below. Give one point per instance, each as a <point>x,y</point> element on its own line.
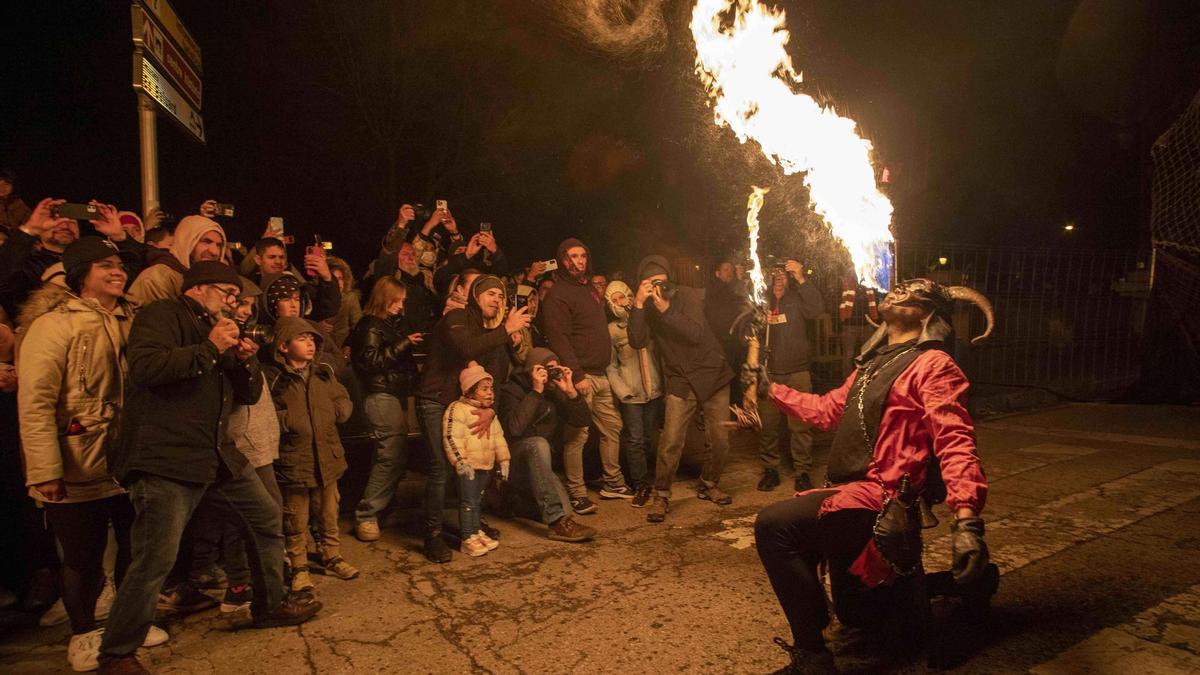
<point>749,76</point>
<point>753,206</point>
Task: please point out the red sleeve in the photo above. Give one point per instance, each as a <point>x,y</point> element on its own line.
<point>823,412</point>
<point>942,391</point>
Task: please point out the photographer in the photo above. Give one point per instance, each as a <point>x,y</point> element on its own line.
<point>321,295</point>
<point>534,404</point>
<point>696,374</point>
<point>793,302</point>
<point>481,253</point>
<point>437,239</point>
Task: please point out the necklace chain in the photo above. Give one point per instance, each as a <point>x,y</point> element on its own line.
<point>864,381</point>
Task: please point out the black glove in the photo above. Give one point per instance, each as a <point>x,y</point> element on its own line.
<point>764,383</point>
<point>969,553</point>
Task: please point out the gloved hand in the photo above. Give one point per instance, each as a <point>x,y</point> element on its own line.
<point>763,382</point>
<point>463,469</point>
<point>969,553</point>
<point>504,470</point>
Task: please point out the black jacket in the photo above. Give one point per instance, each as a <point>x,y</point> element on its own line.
<point>22,264</point>
<point>692,358</point>
<point>320,299</point>
<point>459,338</point>
<point>788,331</point>
<point>382,356</point>
<point>574,320</point>
<point>524,413</point>
<point>180,390</point>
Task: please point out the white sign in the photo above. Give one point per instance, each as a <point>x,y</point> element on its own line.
<point>147,79</point>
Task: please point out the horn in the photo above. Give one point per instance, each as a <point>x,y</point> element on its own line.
<point>975,297</point>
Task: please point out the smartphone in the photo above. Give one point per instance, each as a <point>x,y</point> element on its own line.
<point>77,211</point>
<point>551,265</point>
<point>225,210</point>
<point>275,229</point>
<point>327,245</point>
<point>485,227</point>
<point>441,205</point>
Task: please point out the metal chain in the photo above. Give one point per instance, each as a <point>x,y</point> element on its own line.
<point>866,379</point>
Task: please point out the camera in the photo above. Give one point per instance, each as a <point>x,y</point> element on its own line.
<point>775,264</point>
<point>665,288</point>
<point>554,373</point>
<point>256,332</point>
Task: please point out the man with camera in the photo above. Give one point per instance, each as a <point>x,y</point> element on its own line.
<point>534,404</point>
<point>697,378</point>
<point>188,365</point>
<point>793,301</point>
<point>577,329</point>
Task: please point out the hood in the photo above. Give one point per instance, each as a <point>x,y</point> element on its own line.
<point>614,287</point>
<point>188,233</point>
<point>473,303</point>
<point>650,260</point>
<point>51,297</point>
<point>561,272</point>
<point>291,326</point>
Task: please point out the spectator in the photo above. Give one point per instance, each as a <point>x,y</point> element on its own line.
<point>186,358</point>
<point>421,302</point>
<point>481,253</point>
<point>544,286</point>
<point>13,210</point>
<point>577,329</point>
<point>696,378</point>
<point>533,409</point>
<point>30,249</point>
<point>481,332</point>
<point>725,298</point>
<point>350,310</point>
<point>637,386</point>
<point>599,283</point>
<point>474,455</point>
<point>132,223</point>
<point>459,286</point>
<point>437,240</point>
<point>857,312</point>
<point>793,302</point>
<point>311,403</point>
<point>321,296</point>
<point>381,351</point>
<point>196,239</point>
<point>158,239</point>
<point>401,231</point>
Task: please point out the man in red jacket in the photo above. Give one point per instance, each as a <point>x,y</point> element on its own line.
<point>902,427</point>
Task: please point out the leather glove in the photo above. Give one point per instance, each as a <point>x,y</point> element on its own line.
<point>504,470</point>
<point>463,469</point>
<point>969,553</point>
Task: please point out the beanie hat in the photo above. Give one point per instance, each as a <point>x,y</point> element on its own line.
<point>539,356</point>
<point>485,283</point>
<point>210,272</point>
<point>86,250</point>
<point>652,265</point>
<point>472,375</point>
<point>282,288</point>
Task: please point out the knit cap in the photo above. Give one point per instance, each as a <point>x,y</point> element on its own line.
<point>472,375</point>
<point>210,272</point>
<point>282,288</point>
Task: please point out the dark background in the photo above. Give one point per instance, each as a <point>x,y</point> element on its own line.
<point>1000,122</point>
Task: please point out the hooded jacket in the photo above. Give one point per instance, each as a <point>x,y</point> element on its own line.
<point>163,279</point>
<point>634,374</point>
<point>574,320</point>
<point>72,372</point>
<point>462,336</point>
<point>310,403</point>
<point>787,326</point>
<point>460,443</point>
<point>524,413</point>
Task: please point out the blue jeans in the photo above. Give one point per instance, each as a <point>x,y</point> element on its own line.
<point>163,507</point>
<point>470,493</point>
<point>430,413</point>
<point>530,471</point>
<point>639,438</point>
<point>389,427</point>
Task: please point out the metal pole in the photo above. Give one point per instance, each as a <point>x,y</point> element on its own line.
<point>148,128</point>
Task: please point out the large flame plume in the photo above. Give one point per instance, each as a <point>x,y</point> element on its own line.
<point>753,206</point>
<point>748,74</point>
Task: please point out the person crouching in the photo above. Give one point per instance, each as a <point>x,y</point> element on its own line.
<point>311,403</point>
<point>472,456</point>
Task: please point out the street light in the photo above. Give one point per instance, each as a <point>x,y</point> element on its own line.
<point>1069,227</point>
<point>943,260</point>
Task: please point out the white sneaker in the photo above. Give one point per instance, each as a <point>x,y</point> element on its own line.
<point>491,544</point>
<point>83,651</point>
<point>105,601</point>
<point>474,546</point>
<point>55,616</point>
<point>367,530</point>
<point>155,637</point>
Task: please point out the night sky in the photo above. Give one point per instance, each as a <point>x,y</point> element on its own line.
<point>1000,121</point>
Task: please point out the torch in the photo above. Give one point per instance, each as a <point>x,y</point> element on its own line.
<point>751,325</point>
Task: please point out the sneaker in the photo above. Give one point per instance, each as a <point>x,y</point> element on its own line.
<point>567,529</point>
<point>83,651</point>
<point>619,492</point>
<point>435,549</point>
<point>582,505</point>
<point>657,512</point>
<point>474,546</point>
<point>643,495</point>
<point>802,483</point>
<point>155,637</point>
<point>491,532</point>
<point>806,660</point>
<point>123,665</point>
<point>211,581</point>
<point>290,612</point>
<point>769,481</point>
<point>301,581</point>
<point>491,544</point>
<point>184,599</point>
<point>56,615</point>
<point>338,567</point>
<point>105,601</point>
<point>713,494</point>
<point>367,530</point>
<point>236,598</point>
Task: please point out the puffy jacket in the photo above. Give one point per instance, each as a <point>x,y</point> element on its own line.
<point>524,413</point>
<point>460,442</point>
<point>787,323</point>
<point>71,369</point>
<point>382,356</point>
<point>462,336</point>
<point>634,374</point>
<point>574,319</point>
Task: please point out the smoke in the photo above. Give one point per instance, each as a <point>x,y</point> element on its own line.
<point>627,29</point>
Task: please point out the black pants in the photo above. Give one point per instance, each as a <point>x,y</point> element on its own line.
<point>791,541</point>
<point>82,530</point>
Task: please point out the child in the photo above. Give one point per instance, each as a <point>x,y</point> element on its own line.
<point>473,457</point>
<point>311,403</point>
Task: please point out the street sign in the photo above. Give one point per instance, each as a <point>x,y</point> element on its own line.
<point>152,82</point>
<point>151,37</point>
<point>169,20</point>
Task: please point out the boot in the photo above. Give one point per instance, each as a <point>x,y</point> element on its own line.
<point>806,661</point>
<point>435,549</point>
<point>770,480</point>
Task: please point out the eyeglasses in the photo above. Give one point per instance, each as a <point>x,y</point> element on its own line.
<point>227,294</point>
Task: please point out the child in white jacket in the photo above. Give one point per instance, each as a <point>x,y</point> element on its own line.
<point>473,457</point>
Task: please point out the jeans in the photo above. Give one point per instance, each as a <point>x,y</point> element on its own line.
<point>679,414</point>
<point>430,413</point>
<point>388,418</point>
<point>801,436</point>
<point>530,471</point>
<point>608,423</point>
<point>82,531</point>
<point>639,437</point>
<point>163,507</point>
<point>470,493</point>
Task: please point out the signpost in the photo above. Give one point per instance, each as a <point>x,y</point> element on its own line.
<point>166,75</point>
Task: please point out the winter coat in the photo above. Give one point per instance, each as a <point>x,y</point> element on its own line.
<point>460,443</point>
<point>319,299</point>
<point>524,413</point>
<point>347,317</point>
<point>382,356</point>
<point>692,358</point>
<point>179,395</point>
<point>634,374</point>
<point>254,430</point>
<point>71,371</point>
<point>310,405</point>
<point>163,279</point>
<point>462,336</point>
<point>574,319</point>
<point>787,326</point>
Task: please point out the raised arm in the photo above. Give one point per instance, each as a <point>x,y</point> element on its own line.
<point>823,411</point>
